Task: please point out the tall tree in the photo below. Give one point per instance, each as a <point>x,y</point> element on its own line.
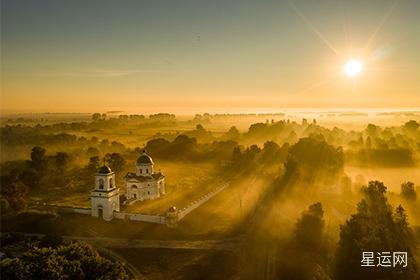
<point>309,228</point>
<point>374,228</point>
<point>38,161</point>
<point>305,257</point>
<point>407,191</point>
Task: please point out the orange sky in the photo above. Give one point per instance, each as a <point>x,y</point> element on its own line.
<point>196,57</point>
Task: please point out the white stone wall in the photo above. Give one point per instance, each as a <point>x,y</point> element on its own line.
<point>85,211</point>
<point>108,202</point>
<point>157,219</point>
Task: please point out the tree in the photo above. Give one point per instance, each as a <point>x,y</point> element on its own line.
<point>117,146</point>
<point>368,143</point>
<point>38,161</point>
<point>236,154</point>
<point>96,116</point>
<point>257,129</point>
<point>411,125</point>
<point>312,158</point>
<point>407,191</point>
<point>309,228</point>
<point>31,178</point>
<point>162,117</point>
<point>15,194</point>
<point>93,164</point>
<point>270,151</point>
<point>73,261</point>
<point>115,161</point>
<point>183,145</point>
<point>305,256</point>
<point>372,130</point>
<point>402,227</point>
<point>199,127</point>
<point>374,228</point>
<point>232,134</point>
<point>62,160</point>
<point>14,269</point>
<point>91,151</point>
<point>158,146</point>
<point>252,151</point>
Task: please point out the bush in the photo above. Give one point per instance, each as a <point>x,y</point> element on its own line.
<point>73,261</point>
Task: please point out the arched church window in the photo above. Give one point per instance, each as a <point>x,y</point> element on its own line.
<point>141,170</point>
<point>133,186</point>
<point>147,170</point>
<point>110,183</point>
<point>101,184</point>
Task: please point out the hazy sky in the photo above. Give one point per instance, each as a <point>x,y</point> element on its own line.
<point>196,56</point>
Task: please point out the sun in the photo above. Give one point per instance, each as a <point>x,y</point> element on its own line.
<point>353,67</point>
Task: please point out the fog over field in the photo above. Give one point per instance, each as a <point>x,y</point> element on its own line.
<point>296,181</point>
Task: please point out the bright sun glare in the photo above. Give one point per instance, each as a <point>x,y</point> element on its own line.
<point>353,67</point>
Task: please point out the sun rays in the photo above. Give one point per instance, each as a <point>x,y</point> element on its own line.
<point>355,63</point>
<point>353,67</point>
<point>314,29</point>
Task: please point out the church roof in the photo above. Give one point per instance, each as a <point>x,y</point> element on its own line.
<point>144,158</point>
<point>104,170</point>
<point>152,177</point>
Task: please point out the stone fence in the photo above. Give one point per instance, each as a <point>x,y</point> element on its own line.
<point>157,219</point>
<point>84,211</point>
<point>61,209</point>
<point>167,218</point>
<point>197,203</point>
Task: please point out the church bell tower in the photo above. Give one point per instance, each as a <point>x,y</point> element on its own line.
<point>105,198</point>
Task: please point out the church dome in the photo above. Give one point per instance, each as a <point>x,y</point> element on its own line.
<point>144,159</point>
<point>104,170</point>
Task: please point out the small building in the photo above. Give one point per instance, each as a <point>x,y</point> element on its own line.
<point>105,198</point>
<point>144,184</point>
<point>172,216</point>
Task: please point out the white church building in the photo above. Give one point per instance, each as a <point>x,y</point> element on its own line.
<point>105,197</point>
<point>142,185</point>
<point>145,183</point>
